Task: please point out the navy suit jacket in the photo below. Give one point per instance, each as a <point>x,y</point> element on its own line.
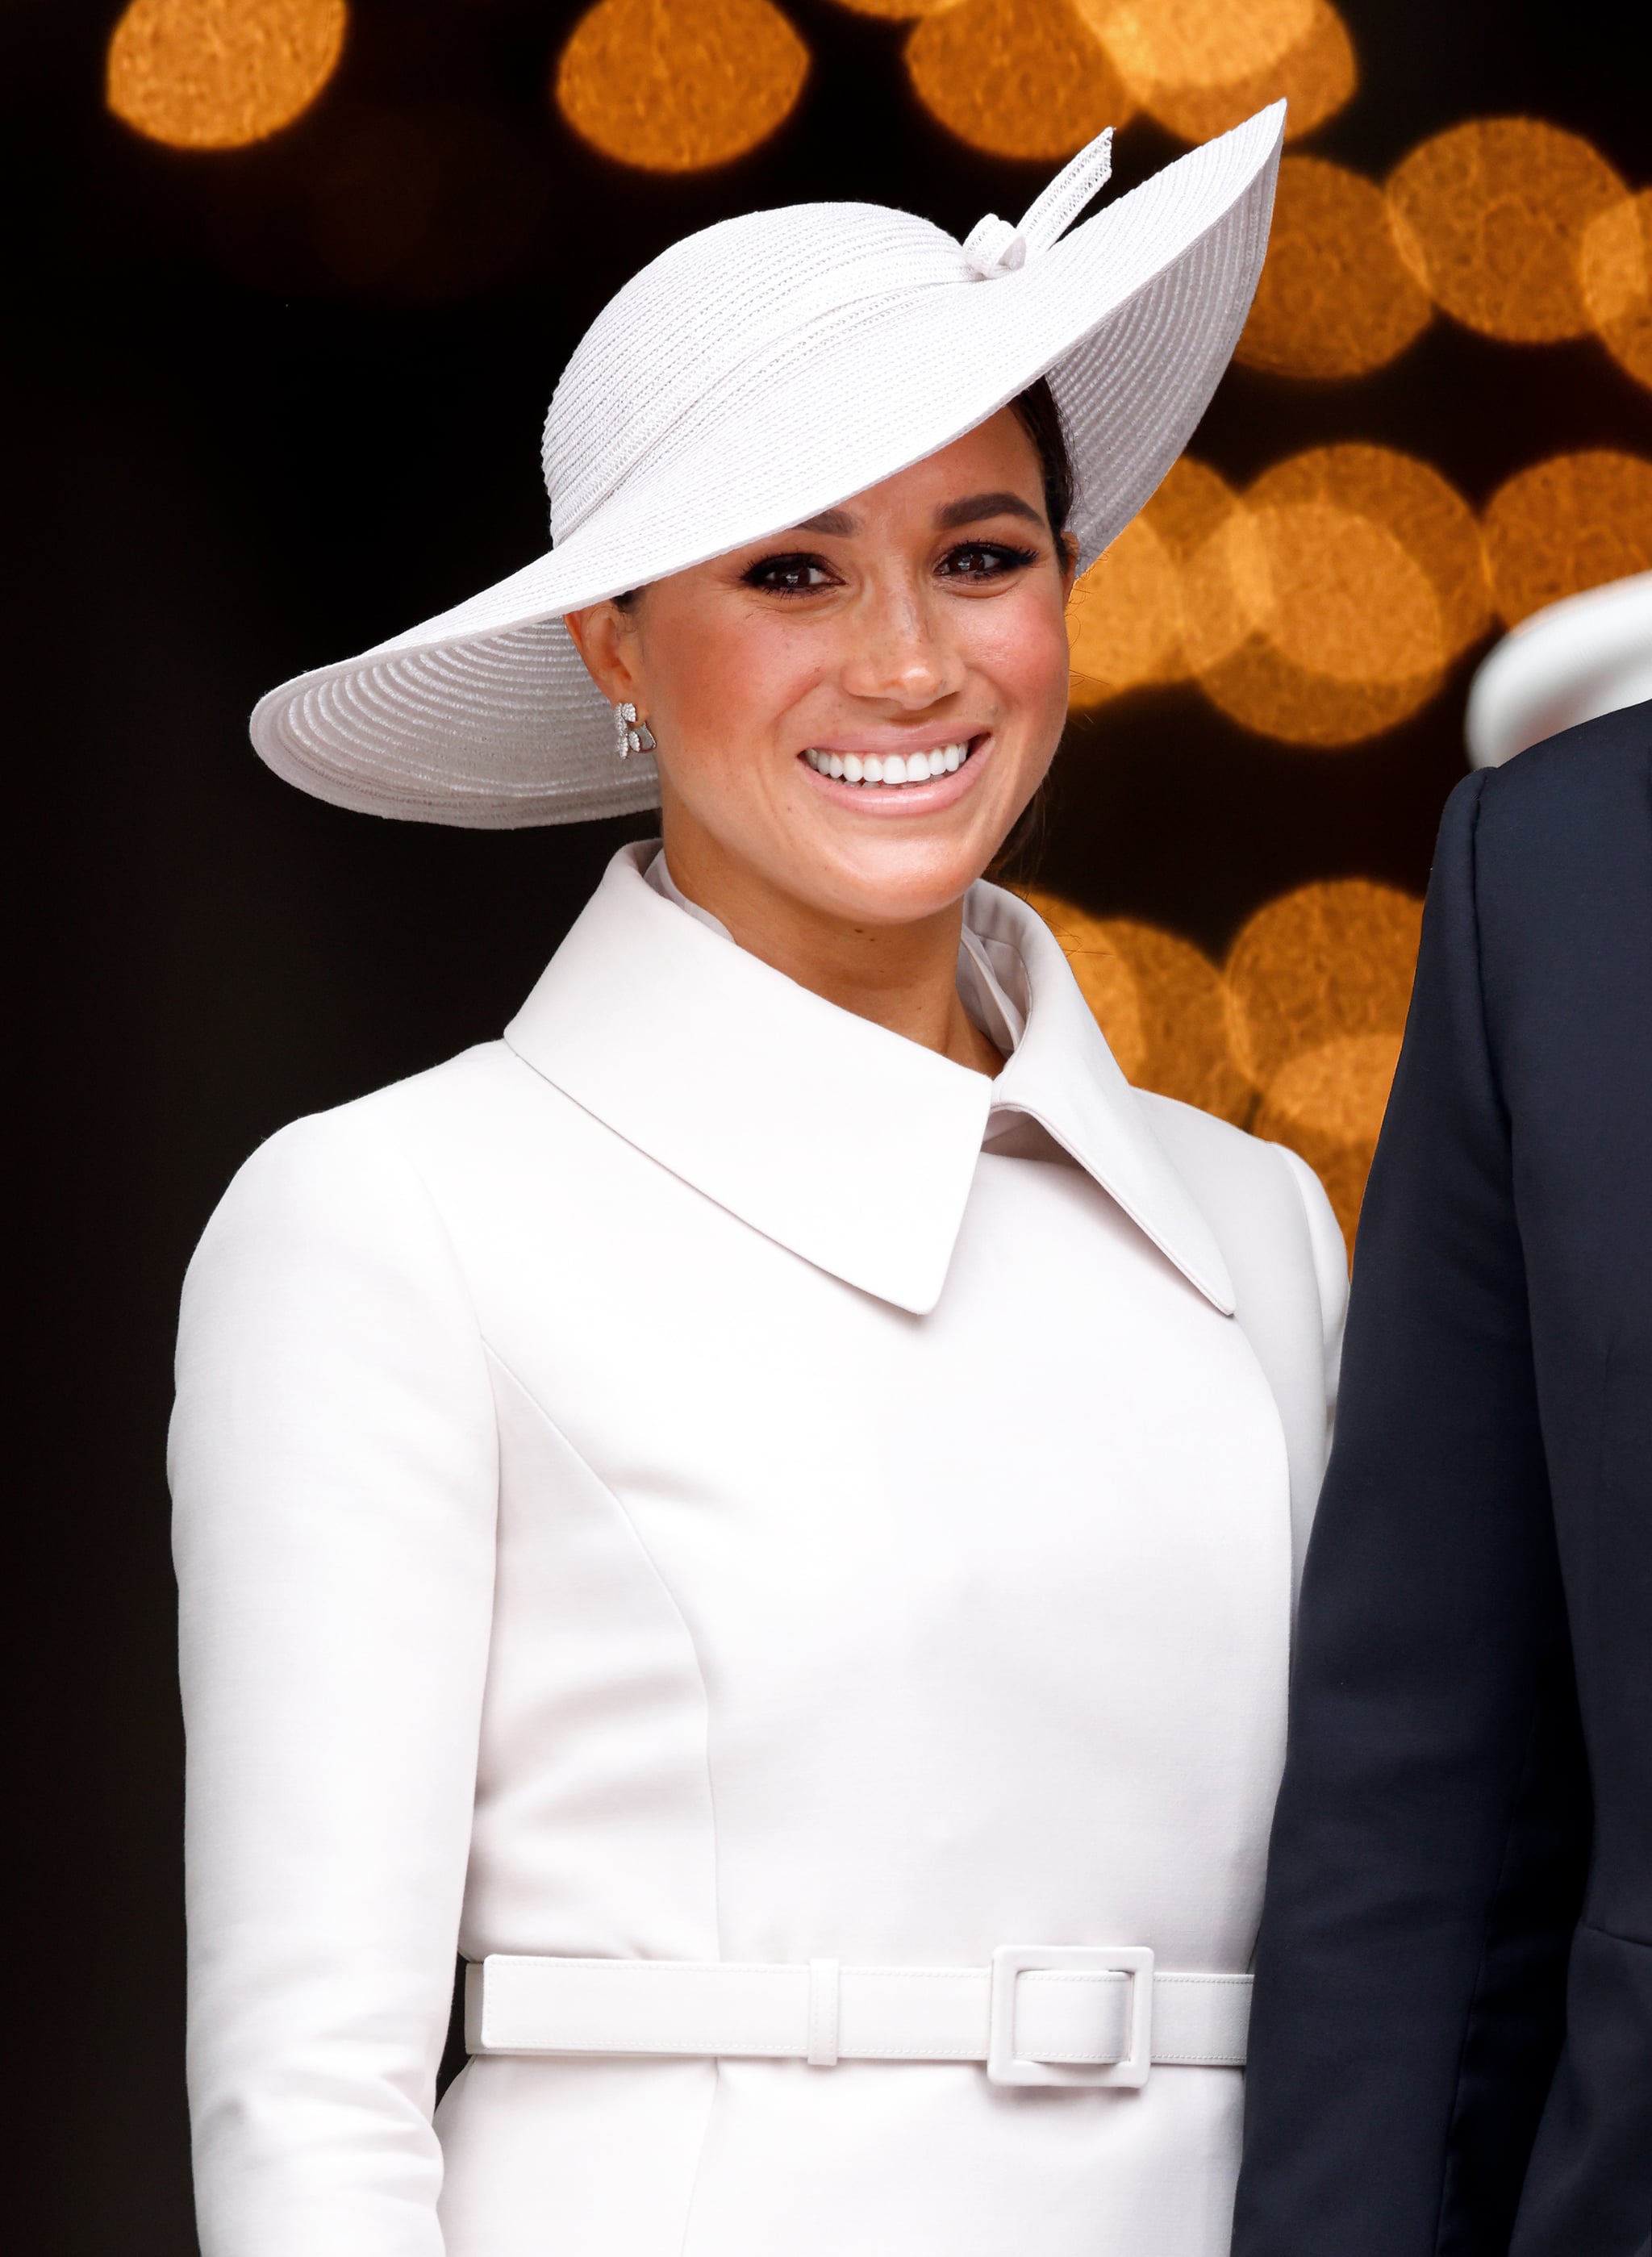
<point>1451,2048</point>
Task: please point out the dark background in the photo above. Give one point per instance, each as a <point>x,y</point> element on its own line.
<point>270,407</point>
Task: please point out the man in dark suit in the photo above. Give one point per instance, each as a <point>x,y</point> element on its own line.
<point>1452,2047</point>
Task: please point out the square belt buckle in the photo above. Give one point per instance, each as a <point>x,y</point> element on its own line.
<point>1011,1961</point>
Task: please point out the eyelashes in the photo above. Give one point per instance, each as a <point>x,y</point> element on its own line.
<point>794,573</point>
<point>1002,556</point>
<point>801,572</point>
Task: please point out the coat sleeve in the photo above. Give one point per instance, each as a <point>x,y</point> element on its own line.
<point>333,1463</point>
<point>1423,1877</point>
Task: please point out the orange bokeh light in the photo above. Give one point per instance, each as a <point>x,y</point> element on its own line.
<point>1128,622</point>
<point>1296,1039</point>
<point>1124,622</point>
<point>674,86</point>
<point>1320,608</point>
<point>1104,978</point>
<point>1198,67</point>
<point>898,11</point>
<point>1325,608</point>
<point>1159,1001</point>
<point>1319,984</point>
<point>220,73</point>
<point>1614,267</point>
<point>1208,43</point>
<point>1017,78</point>
<point>1573,522</point>
<point>1492,216</point>
<point>1336,299</point>
<point>1319,965</point>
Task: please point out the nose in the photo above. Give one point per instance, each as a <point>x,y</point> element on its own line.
<point>900,653</point>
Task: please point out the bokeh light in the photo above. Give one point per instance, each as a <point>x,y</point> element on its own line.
<point>674,86</point>
<point>220,73</point>
<point>1573,522</point>
<point>1202,43</point>
<point>1359,1068</point>
<point>1493,216</point>
<point>1356,575</point>
<point>1128,622</point>
<point>1614,268</point>
<point>1017,78</point>
<point>1317,986</point>
<point>898,11</point>
<point>1159,1001</point>
<point>1124,621</point>
<point>1198,67</point>
<point>1336,299</point>
<point>1105,978</point>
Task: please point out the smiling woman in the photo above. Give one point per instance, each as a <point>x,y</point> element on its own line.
<point>901,661</point>
<point>784,1475</point>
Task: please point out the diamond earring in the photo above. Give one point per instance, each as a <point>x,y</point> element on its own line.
<point>630,735</point>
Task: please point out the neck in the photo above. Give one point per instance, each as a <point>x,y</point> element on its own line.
<point>900,976</point>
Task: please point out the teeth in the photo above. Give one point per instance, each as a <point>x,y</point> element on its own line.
<point>915,767</point>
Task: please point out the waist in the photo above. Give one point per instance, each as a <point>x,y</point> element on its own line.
<point>1059,2014</point>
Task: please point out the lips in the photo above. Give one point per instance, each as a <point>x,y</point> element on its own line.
<point>890,771</point>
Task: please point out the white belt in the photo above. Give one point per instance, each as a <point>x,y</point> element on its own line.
<point>1040,2014</point>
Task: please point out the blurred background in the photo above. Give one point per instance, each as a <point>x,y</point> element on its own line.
<point>290,283</point>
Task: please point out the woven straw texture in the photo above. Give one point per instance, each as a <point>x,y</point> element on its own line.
<point>756,374</point>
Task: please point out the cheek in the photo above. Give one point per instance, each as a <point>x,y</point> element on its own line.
<point>1019,645</point>
<point>726,679</point>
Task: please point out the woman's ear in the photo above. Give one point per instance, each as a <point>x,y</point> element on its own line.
<point>605,637</point>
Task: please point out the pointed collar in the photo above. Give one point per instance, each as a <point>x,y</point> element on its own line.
<point>847,1144</point>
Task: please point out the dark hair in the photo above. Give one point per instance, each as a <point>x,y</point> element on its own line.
<point>1038,416</point>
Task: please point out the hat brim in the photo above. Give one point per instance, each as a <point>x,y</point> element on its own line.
<point>486,718</point>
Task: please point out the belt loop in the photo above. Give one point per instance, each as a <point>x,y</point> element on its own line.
<point>822,2013</point>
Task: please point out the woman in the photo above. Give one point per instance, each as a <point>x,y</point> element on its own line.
<point>746,1505</point>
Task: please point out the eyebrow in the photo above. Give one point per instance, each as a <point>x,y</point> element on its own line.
<point>1001,504</point>
<point>968,510</point>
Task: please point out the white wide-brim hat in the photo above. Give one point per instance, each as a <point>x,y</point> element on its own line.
<point>753,375</point>
<point>1572,661</point>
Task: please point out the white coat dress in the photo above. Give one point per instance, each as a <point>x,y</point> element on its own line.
<point>704,1478</point>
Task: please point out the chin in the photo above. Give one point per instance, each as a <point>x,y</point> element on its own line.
<point>912,882</point>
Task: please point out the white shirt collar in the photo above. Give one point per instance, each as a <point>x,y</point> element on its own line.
<point>745,1086</point>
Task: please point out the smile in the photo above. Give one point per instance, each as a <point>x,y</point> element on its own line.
<point>894,768</point>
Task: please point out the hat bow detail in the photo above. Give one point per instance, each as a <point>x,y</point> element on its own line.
<point>992,246</point>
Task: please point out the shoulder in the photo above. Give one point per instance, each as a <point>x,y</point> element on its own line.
<point>1600,764</point>
<point>1221,1155</point>
<point>388,1129</point>
<point>1267,1206</point>
<point>1566,803</point>
<point>1229,1169</point>
<point>362,1174</point>
<point>1543,880</point>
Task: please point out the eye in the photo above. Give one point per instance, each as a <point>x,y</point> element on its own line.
<point>985,560</point>
<point>794,575</point>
